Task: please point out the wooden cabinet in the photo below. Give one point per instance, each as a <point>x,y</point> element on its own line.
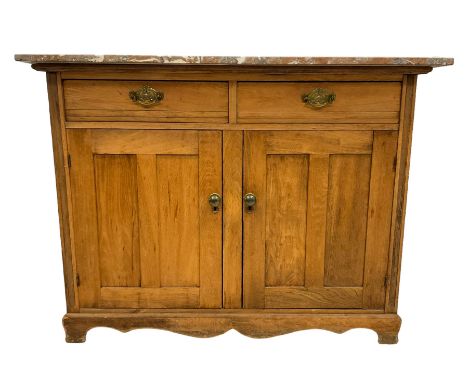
<point>198,198</point>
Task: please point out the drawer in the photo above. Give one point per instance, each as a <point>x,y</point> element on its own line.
<point>283,102</point>
<point>153,101</point>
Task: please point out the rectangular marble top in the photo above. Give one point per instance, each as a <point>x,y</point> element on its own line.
<point>222,60</point>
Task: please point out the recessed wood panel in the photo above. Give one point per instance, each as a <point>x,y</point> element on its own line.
<point>348,196</point>
<point>286,208</point>
<point>117,214</point>
<point>178,222</point>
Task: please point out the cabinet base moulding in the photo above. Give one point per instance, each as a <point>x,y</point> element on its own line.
<point>255,325</point>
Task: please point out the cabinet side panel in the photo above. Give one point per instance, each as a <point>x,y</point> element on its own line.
<point>58,143</point>
<point>348,196</point>
<point>379,218</point>
<point>401,188</point>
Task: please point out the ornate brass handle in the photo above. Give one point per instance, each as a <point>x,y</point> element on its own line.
<point>215,201</point>
<point>319,97</point>
<point>146,96</point>
<point>250,200</point>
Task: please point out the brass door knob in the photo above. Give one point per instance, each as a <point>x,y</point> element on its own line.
<point>215,202</point>
<point>250,200</point>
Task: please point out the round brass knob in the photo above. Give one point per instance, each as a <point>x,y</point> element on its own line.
<point>250,200</point>
<point>215,201</point>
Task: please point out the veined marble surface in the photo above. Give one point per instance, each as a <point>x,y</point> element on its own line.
<point>220,60</point>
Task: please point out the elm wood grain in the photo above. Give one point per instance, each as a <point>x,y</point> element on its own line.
<point>253,324</point>
<point>318,177</point>
<point>211,247</point>
<point>178,219</point>
<point>346,222</point>
<point>400,192</point>
<point>148,208</point>
<point>234,310</point>
<point>138,125</point>
<point>254,232</point>
<point>117,216</point>
<point>379,218</point>
<point>232,218</point>
<point>286,237</point>
<point>356,102</point>
<point>319,297</point>
<point>83,191</point>
<point>62,186</point>
<point>164,297</point>
<point>183,100</point>
<point>137,142</point>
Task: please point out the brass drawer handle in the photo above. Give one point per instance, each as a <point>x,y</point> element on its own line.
<point>215,202</point>
<point>146,96</point>
<point>319,97</point>
<point>250,201</point>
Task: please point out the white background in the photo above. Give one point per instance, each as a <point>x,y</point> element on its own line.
<point>434,293</point>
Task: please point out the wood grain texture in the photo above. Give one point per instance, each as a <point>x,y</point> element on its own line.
<point>184,101</point>
<point>60,151</point>
<point>379,218</point>
<point>148,211</point>
<point>232,218</point>
<point>317,142</point>
<point>254,223</point>
<point>139,125</point>
<point>356,102</point>
<point>209,324</point>
<point>300,297</point>
<point>178,220</point>
<point>117,216</point>
<point>316,220</point>
<point>210,181</point>
<point>144,142</point>
<point>286,209</point>
<point>347,220</point>
<point>400,191</point>
<point>83,190</point>
<point>162,298</point>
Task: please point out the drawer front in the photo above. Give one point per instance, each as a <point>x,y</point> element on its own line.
<point>160,101</point>
<point>283,102</point>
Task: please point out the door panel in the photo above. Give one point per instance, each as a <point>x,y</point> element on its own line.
<point>139,198</point>
<point>286,201</point>
<point>348,195</point>
<point>320,203</point>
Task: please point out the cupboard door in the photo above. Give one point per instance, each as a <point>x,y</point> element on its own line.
<point>145,235</point>
<point>318,235</point>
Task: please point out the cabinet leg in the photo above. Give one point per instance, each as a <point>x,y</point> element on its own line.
<point>388,338</point>
<point>74,331</point>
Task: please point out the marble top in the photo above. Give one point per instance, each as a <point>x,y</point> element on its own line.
<point>220,60</point>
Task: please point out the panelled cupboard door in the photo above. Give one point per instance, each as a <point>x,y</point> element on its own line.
<point>318,235</point>
<point>145,235</point>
